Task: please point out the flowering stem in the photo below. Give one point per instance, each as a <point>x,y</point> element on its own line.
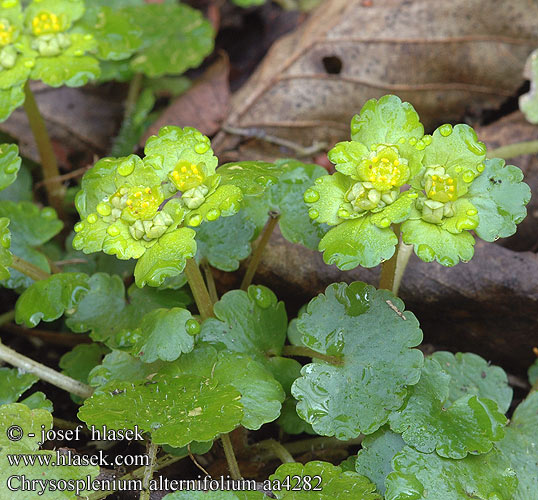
<point>299,350</point>
<point>45,373</point>
<point>257,255</point>
<point>145,493</point>
<point>54,187</point>
<point>29,269</point>
<point>210,280</point>
<point>513,150</point>
<point>393,269</point>
<point>230,456</point>
<point>199,289</point>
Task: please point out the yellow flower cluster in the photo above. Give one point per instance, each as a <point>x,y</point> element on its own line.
<point>46,23</point>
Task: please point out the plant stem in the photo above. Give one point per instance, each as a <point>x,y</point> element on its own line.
<point>7,317</point>
<point>210,280</point>
<point>258,252</point>
<point>199,289</point>
<point>44,372</point>
<point>513,150</point>
<point>392,270</point>
<point>29,269</point>
<point>145,494</point>
<point>278,449</point>
<point>55,188</point>
<point>230,456</point>
<point>299,350</point>
<point>135,85</point>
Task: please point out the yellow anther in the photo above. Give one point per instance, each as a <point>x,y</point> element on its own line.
<point>385,160</point>
<point>450,181</point>
<point>375,159</point>
<point>194,169</point>
<point>129,203</point>
<point>434,177</point>
<point>145,204</point>
<point>184,170</point>
<point>451,189</point>
<point>372,178</point>
<point>44,16</point>
<point>138,194</point>
<point>393,182</point>
<point>396,163</point>
<point>147,190</point>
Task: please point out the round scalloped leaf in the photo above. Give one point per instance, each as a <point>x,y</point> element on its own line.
<point>176,411</point>
<point>358,242</point>
<point>472,375</point>
<point>36,401</point>
<point>329,194</point>
<point>117,37</point>
<point>252,322</point>
<point>421,476</point>
<point>430,421</point>
<point>10,162</point>
<point>500,197</point>
<point>175,38</point>
<point>457,149</point>
<point>346,157</point>
<point>10,99</point>
<point>373,338</point>
<point>215,495</point>
<point>252,177</point>
<point>30,422</point>
<point>328,479</point>
<point>374,460</point>
<point>261,394</point>
<point>224,202</point>
<point>520,446</point>
<point>13,383</point>
<point>166,258</point>
<point>386,120</point>
<point>225,241</point>
<point>29,227</point>
<point>163,335</point>
<point>5,255</point>
<point>172,144</point>
<point>528,103</point>
<point>121,366</point>
<point>69,68</point>
<point>433,242</point>
<point>48,299</point>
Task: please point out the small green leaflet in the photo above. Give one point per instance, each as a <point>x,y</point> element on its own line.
<point>10,163</point>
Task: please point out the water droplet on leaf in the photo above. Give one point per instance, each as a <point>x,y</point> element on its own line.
<point>92,218</point>
<point>104,209</point>
<point>262,296</point>
<point>311,196</point>
<point>195,220</point>
<point>201,148</point>
<point>113,230</point>
<point>213,214</point>
<point>313,213</point>
<point>445,130</point>
<point>126,168</point>
<point>192,327</point>
<point>425,253</point>
<point>468,176</point>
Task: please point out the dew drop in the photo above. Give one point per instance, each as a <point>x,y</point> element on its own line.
<point>420,145</point>
<point>192,327</point>
<point>29,64</point>
<point>92,218</point>
<point>88,37</point>
<point>79,226</point>
<point>104,209</point>
<point>447,261</point>
<point>468,176</point>
<point>343,213</point>
<point>201,148</point>
<point>265,180</point>
<point>195,220</point>
<point>464,223</point>
<point>427,139</point>
<point>425,253</point>
<point>126,168</point>
<point>311,196</point>
<point>313,213</point>
<point>78,53</point>
<point>384,222</point>
<point>213,214</point>
<point>445,130</point>
<point>412,141</point>
<point>262,296</point>
<point>458,169</point>
<point>401,140</point>
<point>48,213</point>
<point>113,230</point>
<point>472,212</point>
<point>481,167</point>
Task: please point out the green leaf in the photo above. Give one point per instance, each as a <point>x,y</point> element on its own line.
<point>166,258</point>
<point>21,189</point>
<point>328,195</point>
<point>117,37</point>
<point>30,421</point>
<point>533,373</point>
<point>374,460</point>
<point>528,103</point>
<point>328,480</point>
<point>13,383</point>
<point>472,375</point>
<point>48,299</point>
<point>10,99</point>
<point>5,255</point>
<point>79,361</point>
<point>429,421</point>
<point>420,476</point>
<point>520,446</point>
<point>290,422</point>
<point>358,242</point>
<point>10,162</point>
<point>252,177</point>
<point>458,150</point>
<point>225,241</point>
<point>261,394</point>
<point>433,242</point>
<point>68,68</point>
<point>367,330</point>
<point>252,322</point>
<point>163,335</point>
<point>175,410</point>
<point>36,401</point>
<point>30,227</point>
<point>174,38</point>
<point>224,202</point>
<point>68,12</point>
<point>500,197</point>
<point>386,120</point>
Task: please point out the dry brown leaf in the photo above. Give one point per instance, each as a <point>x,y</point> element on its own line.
<point>204,106</point>
<point>444,57</point>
